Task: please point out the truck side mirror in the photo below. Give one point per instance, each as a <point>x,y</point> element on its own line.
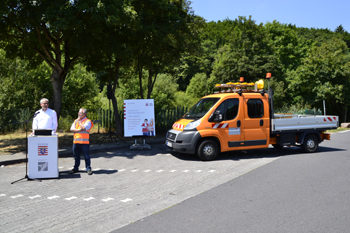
<point>216,116</point>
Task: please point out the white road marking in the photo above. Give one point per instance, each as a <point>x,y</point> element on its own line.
<point>173,170</point>
<point>160,170</point>
<point>146,170</point>
<point>2,195</point>
<point>37,196</point>
<point>134,170</point>
<point>126,200</point>
<point>71,198</point>
<point>53,197</point>
<point>186,171</point>
<point>20,195</point>
<point>108,199</point>
<point>198,170</point>
<point>122,170</point>
<point>89,199</point>
<point>211,171</point>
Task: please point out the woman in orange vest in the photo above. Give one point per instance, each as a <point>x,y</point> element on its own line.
<point>81,128</point>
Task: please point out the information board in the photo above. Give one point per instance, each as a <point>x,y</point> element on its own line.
<point>139,118</point>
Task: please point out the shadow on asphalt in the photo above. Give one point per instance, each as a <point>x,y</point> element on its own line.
<point>159,149</point>
<point>66,175</point>
<point>256,153</point>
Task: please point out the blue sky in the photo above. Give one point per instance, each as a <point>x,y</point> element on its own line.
<point>302,13</point>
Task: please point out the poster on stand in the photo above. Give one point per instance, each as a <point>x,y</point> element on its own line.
<point>139,118</point>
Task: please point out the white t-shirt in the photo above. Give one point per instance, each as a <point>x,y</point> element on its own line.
<point>45,120</point>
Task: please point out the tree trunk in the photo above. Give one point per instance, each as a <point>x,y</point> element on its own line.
<point>118,122</point>
<point>57,80</point>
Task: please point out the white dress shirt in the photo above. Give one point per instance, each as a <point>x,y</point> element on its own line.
<point>45,120</point>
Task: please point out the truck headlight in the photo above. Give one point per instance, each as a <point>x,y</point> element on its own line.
<point>192,125</point>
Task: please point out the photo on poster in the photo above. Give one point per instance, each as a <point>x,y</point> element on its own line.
<point>43,166</point>
<point>139,118</point>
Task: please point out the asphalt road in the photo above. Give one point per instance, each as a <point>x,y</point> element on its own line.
<point>159,191</point>
<point>296,193</point>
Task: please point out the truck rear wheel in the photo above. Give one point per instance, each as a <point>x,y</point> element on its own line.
<point>310,144</point>
<point>208,150</point>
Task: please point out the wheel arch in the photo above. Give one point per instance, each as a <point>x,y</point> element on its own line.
<point>303,135</point>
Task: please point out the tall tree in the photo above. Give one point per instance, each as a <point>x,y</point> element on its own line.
<point>164,30</point>
<point>324,75</point>
<point>247,54</point>
<point>58,32</point>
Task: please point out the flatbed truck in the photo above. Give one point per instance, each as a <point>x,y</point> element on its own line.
<point>240,117</point>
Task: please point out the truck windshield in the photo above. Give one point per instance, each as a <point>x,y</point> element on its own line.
<point>201,108</point>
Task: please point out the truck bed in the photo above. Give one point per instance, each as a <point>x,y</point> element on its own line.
<point>288,122</point>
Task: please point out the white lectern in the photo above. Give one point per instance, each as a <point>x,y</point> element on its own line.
<point>43,157</point>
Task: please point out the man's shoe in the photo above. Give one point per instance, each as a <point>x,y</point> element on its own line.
<point>89,172</point>
<point>73,171</point>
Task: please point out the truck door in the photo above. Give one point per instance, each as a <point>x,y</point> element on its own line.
<point>229,129</point>
<point>256,123</point>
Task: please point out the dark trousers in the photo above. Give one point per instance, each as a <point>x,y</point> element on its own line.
<point>77,150</point>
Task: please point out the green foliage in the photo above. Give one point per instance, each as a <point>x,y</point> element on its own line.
<point>80,89</point>
<point>324,75</point>
<point>21,86</point>
<point>164,92</point>
<point>198,86</point>
<point>247,54</point>
<point>64,123</point>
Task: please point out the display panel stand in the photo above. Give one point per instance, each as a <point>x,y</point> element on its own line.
<point>43,157</point>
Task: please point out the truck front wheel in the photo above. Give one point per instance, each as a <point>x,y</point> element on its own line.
<point>208,150</point>
<point>310,144</point>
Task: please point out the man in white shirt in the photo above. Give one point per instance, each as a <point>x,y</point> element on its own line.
<point>45,118</point>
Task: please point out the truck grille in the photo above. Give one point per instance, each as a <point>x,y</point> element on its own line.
<point>171,136</point>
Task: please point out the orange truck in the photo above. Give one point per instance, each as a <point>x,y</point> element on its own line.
<point>240,117</point>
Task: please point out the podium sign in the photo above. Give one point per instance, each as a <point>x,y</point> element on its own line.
<point>43,157</point>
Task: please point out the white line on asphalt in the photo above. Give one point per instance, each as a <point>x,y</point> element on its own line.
<point>134,170</point>
<point>34,196</point>
<point>88,199</point>
<point>198,171</point>
<point>185,170</point>
<point>71,198</point>
<point>160,170</point>
<point>2,195</point>
<point>121,170</point>
<point>173,170</point>
<point>146,170</point>
<point>53,197</point>
<point>126,200</point>
<point>108,199</point>
<point>20,195</point>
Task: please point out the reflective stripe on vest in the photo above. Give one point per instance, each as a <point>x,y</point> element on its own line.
<point>82,137</point>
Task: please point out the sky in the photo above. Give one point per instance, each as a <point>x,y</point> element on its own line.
<point>301,13</point>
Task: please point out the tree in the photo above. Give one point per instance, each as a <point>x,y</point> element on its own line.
<point>164,30</point>
<point>324,75</point>
<point>58,32</point>
<point>247,54</point>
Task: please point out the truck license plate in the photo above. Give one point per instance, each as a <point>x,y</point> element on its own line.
<point>170,144</point>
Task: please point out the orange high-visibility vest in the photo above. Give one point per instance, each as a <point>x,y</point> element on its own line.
<point>82,137</point>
